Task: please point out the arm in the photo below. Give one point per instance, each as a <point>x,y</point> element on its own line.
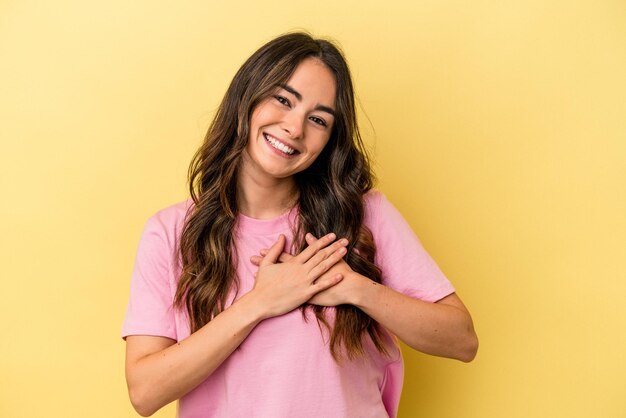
<point>158,370</point>
<point>412,282</point>
<point>444,328</point>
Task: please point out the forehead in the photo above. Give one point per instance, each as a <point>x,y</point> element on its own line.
<point>315,82</point>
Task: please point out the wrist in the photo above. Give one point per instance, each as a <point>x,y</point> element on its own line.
<point>361,289</point>
<point>250,309</point>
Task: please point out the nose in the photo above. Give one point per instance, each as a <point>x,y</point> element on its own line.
<point>293,124</point>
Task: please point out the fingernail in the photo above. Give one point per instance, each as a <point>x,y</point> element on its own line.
<point>332,235</point>
<point>344,241</point>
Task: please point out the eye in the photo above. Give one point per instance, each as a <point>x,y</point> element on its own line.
<point>282,100</point>
<point>318,121</point>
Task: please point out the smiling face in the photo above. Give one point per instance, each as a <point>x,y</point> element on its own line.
<point>291,127</point>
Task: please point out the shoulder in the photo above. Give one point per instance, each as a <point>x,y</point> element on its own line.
<point>382,218</point>
<point>167,223</point>
<point>372,199</point>
<point>173,213</point>
<point>375,205</point>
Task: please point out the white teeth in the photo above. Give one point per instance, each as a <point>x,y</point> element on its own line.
<point>279,145</point>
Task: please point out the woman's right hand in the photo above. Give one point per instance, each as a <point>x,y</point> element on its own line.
<point>160,370</point>
<point>281,287</point>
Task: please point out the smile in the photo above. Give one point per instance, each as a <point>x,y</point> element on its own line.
<point>279,145</point>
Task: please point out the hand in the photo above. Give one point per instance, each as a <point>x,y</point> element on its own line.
<point>282,287</point>
<point>331,296</point>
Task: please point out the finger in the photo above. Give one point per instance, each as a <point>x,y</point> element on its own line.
<point>310,238</point>
<point>324,265</point>
<point>285,257</point>
<point>274,252</point>
<point>313,248</point>
<point>326,252</point>
<point>256,260</point>
<point>326,282</point>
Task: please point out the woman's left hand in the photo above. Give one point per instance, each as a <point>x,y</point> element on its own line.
<point>443,328</point>
<point>341,293</point>
<point>338,294</point>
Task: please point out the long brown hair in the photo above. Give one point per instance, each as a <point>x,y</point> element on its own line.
<point>330,191</point>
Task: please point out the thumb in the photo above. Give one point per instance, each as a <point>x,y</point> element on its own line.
<point>274,252</point>
<point>283,257</point>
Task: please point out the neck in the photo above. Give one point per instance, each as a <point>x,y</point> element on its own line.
<point>264,197</point>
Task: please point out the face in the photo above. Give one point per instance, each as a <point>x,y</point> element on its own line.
<point>290,128</point>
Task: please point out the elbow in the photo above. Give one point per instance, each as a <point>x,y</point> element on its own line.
<point>141,402</point>
<point>469,349</point>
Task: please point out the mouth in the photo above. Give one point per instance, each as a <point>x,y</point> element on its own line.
<point>279,146</point>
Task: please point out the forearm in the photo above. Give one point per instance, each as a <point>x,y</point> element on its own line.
<point>434,328</point>
<point>161,377</point>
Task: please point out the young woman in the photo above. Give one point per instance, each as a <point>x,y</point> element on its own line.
<point>276,290</point>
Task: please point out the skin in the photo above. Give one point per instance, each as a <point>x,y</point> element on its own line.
<point>266,184</point>
<point>160,370</point>
<point>444,328</point>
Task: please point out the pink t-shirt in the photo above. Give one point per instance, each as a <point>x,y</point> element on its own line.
<point>284,367</point>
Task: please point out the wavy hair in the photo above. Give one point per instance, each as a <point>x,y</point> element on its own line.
<point>330,192</point>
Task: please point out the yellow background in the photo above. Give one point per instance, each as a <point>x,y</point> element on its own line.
<point>498,130</point>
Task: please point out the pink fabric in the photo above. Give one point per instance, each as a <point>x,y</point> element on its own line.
<point>284,367</point>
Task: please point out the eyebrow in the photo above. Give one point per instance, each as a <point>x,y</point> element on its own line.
<point>299,97</point>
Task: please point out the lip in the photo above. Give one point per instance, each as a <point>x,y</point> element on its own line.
<point>279,152</point>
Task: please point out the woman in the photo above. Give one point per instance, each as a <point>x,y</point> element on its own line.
<point>275,289</point>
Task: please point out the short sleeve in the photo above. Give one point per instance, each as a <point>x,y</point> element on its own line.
<point>405,264</point>
<point>150,310</point>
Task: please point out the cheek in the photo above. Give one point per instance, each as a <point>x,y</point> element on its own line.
<point>254,121</point>
<point>322,144</point>
<point>258,116</point>
<point>318,149</point>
